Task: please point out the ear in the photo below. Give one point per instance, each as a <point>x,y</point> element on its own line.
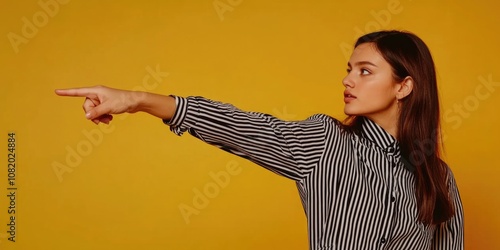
<point>405,87</point>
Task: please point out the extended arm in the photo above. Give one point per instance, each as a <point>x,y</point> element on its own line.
<point>290,149</point>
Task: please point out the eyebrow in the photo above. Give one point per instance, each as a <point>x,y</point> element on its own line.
<point>360,63</point>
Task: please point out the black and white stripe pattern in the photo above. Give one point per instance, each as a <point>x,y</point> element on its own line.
<point>356,191</point>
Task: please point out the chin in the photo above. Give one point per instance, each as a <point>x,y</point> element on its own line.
<point>350,112</point>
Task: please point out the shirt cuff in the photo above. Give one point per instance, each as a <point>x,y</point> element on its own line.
<point>177,122</point>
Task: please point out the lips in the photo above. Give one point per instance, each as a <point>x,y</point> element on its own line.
<point>348,97</point>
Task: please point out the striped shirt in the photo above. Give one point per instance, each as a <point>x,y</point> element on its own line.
<point>356,191</point>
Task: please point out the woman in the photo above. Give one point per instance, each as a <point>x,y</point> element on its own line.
<point>373,182</point>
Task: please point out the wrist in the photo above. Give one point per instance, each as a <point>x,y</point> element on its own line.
<point>138,101</point>
<point>154,104</point>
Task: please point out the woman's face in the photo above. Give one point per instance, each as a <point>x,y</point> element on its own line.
<point>370,89</point>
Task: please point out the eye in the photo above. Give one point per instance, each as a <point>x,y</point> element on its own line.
<point>365,72</point>
<point>348,71</point>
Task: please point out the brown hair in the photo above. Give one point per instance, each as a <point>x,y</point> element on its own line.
<point>418,125</point>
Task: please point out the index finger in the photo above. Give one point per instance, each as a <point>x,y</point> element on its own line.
<point>82,92</point>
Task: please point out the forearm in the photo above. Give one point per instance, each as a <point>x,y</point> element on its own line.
<point>157,105</point>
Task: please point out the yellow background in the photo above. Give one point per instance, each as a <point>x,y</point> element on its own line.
<point>280,57</point>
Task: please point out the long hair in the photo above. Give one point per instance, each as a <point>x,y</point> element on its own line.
<point>418,132</point>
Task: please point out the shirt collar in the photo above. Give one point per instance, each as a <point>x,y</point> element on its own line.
<point>384,140</point>
<point>377,134</point>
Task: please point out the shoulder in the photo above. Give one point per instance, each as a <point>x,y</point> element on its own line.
<point>446,167</point>
<point>325,119</point>
<point>330,124</point>
<point>450,178</point>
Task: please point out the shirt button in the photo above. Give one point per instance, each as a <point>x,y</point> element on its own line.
<point>383,240</point>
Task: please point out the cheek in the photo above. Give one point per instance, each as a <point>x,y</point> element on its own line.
<point>379,93</point>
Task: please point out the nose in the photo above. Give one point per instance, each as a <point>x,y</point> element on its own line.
<point>347,81</point>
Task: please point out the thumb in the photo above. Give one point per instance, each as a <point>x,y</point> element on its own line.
<point>98,111</point>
